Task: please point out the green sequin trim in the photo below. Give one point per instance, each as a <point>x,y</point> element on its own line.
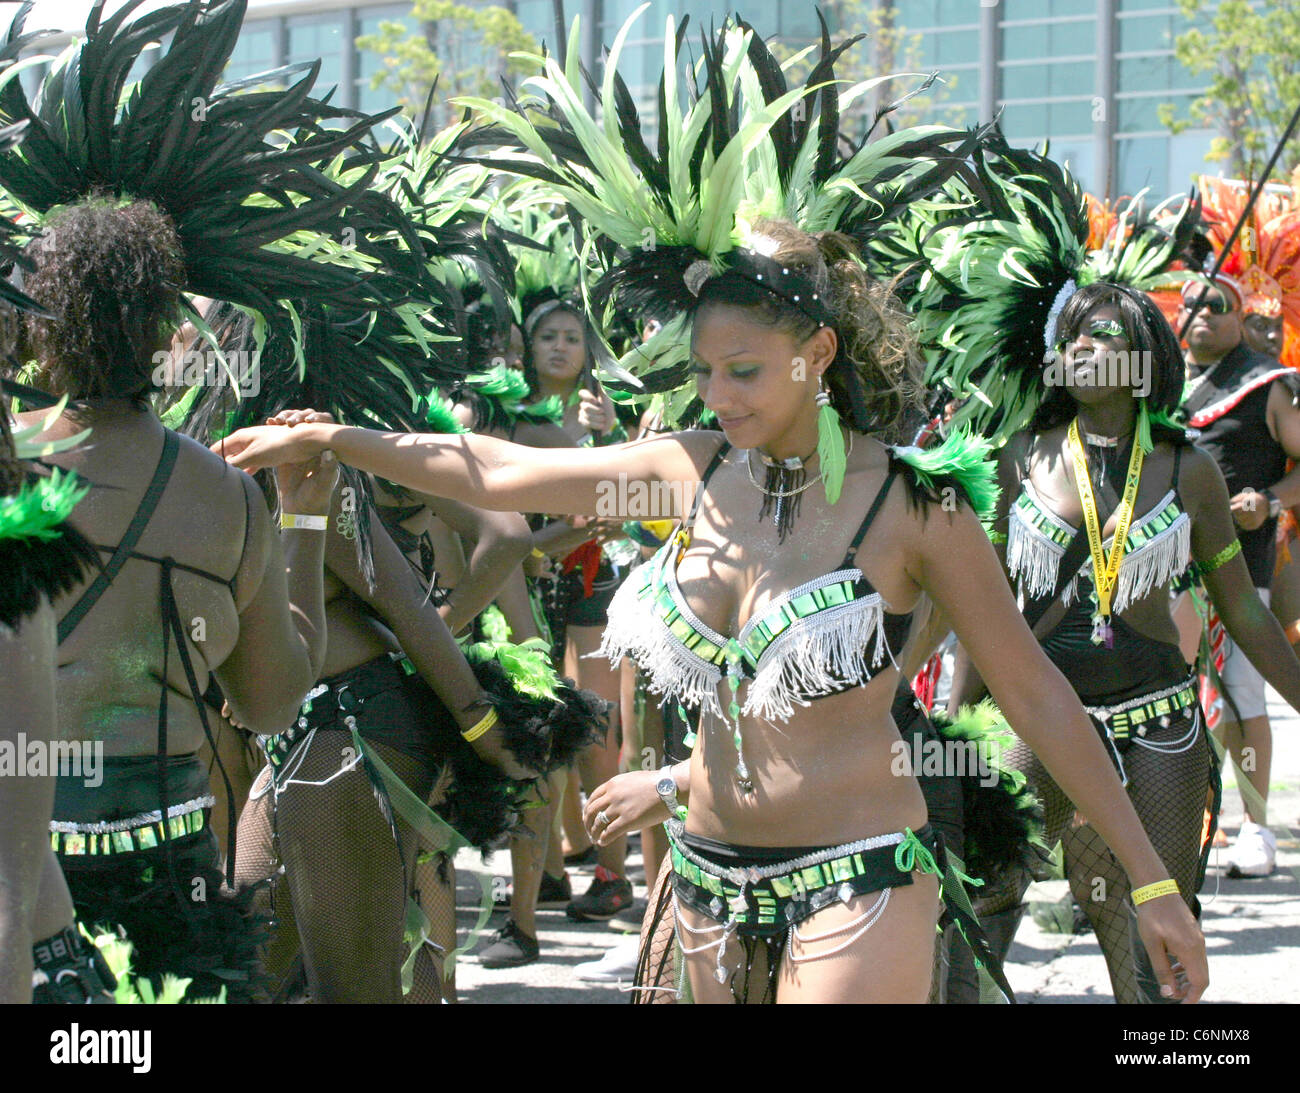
<point>1222,558</point>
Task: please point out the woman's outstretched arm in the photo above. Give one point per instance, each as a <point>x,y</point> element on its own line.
<point>951,559</point>
<point>491,473</point>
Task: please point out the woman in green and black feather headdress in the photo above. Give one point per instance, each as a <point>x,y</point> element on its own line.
<point>1095,373</point>
<point>804,869</point>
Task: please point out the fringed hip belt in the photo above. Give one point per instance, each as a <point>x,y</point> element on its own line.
<point>766,890</point>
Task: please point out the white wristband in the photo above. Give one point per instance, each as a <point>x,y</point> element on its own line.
<point>308,523</point>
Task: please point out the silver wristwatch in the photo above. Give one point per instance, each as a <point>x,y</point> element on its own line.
<point>1274,505</point>
<point>666,787</point>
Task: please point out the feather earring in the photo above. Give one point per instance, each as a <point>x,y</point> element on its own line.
<point>830,446</point>
<point>1144,427</point>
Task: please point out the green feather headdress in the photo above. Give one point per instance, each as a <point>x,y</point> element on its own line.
<point>995,257</point>
<point>741,146</point>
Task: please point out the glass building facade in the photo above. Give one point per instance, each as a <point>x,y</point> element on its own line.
<point>1087,75</point>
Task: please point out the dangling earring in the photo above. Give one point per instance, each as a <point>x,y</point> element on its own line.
<point>830,445</point>
<point>1144,428</point>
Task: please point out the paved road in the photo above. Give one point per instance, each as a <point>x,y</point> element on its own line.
<point>1252,926</point>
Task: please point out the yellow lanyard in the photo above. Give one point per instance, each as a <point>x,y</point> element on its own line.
<point>1105,569</point>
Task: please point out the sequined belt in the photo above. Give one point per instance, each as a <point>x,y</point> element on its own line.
<point>1134,717</point>
<point>129,836</point>
<point>775,894</point>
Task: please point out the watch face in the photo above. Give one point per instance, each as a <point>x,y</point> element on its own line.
<point>666,787</point>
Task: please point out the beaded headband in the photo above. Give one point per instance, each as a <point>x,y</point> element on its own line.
<point>791,285</point>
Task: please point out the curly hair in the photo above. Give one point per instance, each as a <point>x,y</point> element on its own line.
<point>874,381</point>
<point>111,274</point>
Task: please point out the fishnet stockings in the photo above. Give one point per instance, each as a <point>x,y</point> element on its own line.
<point>1169,794</point>
<point>342,872</point>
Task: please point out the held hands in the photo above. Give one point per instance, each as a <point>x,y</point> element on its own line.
<point>626,803</point>
<point>271,445</point>
<point>1176,947</point>
<point>306,487</point>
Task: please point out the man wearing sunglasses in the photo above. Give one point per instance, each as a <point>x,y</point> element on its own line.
<point>1249,424</point>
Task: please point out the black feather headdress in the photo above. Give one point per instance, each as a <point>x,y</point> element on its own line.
<point>995,256</point>
<point>237,170</point>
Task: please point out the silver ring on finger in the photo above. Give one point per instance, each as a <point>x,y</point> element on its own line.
<point>602,818</point>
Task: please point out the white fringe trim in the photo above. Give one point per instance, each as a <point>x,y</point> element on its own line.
<point>815,655</point>
<point>1035,560</point>
<point>1156,564</point>
<point>670,669</point>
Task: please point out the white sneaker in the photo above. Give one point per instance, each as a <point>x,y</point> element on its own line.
<point>618,963</point>
<point>1254,854</point>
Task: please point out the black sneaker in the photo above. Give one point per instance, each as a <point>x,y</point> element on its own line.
<point>511,948</point>
<point>553,893</point>
<point>609,893</point>
<point>582,857</point>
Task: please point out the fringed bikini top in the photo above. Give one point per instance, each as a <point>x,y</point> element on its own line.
<point>1158,548</point>
<point>808,643</point>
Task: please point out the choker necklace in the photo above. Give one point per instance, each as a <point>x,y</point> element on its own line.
<point>785,478</point>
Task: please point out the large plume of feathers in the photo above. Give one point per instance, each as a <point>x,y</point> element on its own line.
<point>992,258</point>
<point>237,170</point>
<point>739,145</point>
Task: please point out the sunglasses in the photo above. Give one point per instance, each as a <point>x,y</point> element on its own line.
<point>1215,305</point>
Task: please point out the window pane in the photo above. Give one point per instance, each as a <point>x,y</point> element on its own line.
<point>1145,32</point>
<point>1072,78</point>
<point>1025,122</point>
<point>1142,74</point>
<point>1025,43</point>
<point>1025,81</point>
<point>1139,115</point>
<point>956,47</point>
<point>1070,118</point>
<point>1140,163</point>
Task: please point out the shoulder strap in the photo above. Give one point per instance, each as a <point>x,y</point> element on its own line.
<point>166,461</point>
<point>714,463</point>
<point>867,520</point>
<point>1071,560</point>
<point>1178,462</point>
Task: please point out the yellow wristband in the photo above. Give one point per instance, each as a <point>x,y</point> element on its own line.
<point>1151,891</point>
<point>538,553</point>
<point>472,734</point>
<point>308,523</point>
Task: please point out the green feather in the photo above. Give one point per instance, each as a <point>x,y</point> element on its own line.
<point>440,415</point>
<point>38,508</point>
<point>830,452</point>
<point>964,458</point>
<point>528,665</point>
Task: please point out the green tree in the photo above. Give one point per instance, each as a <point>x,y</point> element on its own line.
<point>465,47</point>
<point>1252,52</point>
